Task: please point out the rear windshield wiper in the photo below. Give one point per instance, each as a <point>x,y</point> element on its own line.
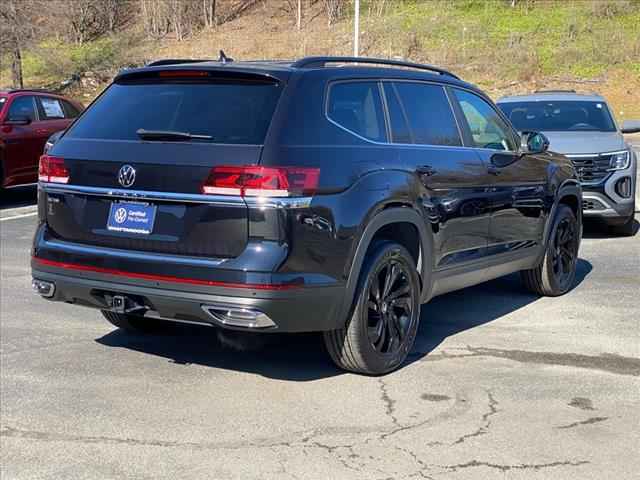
<point>169,135</point>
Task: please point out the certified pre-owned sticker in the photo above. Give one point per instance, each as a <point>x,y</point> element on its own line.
<point>131,218</point>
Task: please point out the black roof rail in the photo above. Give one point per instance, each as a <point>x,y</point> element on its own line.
<point>555,91</point>
<point>182,61</point>
<point>319,62</point>
<point>176,61</point>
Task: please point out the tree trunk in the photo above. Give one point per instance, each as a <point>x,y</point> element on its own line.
<point>16,67</point>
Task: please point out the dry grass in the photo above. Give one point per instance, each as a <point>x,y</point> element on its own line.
<point>568,44</point>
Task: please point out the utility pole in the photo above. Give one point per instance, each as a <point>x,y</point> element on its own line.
<point>356,29</point>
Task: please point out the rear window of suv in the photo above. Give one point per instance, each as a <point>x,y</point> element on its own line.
<point>229,112</point>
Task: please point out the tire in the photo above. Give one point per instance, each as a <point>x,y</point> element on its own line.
<point>626,229</point>
<point>381,329</point>
<point>132,323</point>
<point>555,275</point>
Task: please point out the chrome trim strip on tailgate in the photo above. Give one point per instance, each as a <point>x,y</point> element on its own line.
<point>223,200</point>
<point>226,200</point>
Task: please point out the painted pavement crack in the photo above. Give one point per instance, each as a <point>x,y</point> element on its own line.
<point>484,428</point>
<point>521,466</point>
<point>588,421</point>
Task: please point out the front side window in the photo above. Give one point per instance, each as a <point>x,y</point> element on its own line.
<point>357,107</point>
<point>22,107</point>
<point>487,129</point>
<point>561,116</point>
<point>430,117</point>
<point>50,108</point>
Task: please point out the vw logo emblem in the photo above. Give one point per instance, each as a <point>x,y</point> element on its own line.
<point>120,215</point>
<point>127,176</point>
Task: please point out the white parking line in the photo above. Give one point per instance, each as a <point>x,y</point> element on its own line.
<point>15,217</point>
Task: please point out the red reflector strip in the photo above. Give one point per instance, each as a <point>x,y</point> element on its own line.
<point>164,278</point>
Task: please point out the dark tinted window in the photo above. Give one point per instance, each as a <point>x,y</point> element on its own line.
<point>50,108</point>
<point>559,116</point>
<point>430,117</point>
<point>70,111</point>
<point>22,107</point>
<point>400,132</point>
<point>236,113</point>
<point>357,107</point>
<point>487,128</point>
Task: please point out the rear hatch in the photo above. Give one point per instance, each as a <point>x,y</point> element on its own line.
<point>138,157</point>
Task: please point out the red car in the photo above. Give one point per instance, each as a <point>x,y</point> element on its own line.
<point>27,119</point>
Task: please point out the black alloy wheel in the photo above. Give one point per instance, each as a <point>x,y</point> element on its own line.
<point>555,274</point>
<point>382,327</point>
<point>565,252</point>
<point>389,307</point>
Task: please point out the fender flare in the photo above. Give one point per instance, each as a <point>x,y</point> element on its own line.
<point>568,187</point>
<point>381,219</point>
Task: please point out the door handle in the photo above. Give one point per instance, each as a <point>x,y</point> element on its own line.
<point>426,170</point>
<point>493,170</point>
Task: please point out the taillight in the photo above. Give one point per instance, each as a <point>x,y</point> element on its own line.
<point>52,169</point>
<point>256,181</point>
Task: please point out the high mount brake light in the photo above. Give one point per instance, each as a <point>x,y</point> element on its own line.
<point>53,170</point>
<point>183,73</point>
<point>257,181</point>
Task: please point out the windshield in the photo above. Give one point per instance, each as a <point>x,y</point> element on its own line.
<point>561,116</point>
<point>222,112</point>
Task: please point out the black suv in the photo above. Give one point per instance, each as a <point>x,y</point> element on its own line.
<point>328,194</point>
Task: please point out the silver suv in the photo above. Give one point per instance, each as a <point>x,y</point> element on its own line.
<point>582,128</point>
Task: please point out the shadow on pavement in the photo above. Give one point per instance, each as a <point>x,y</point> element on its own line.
<point>458,311</point>
<point>302,357</point>
<point>596,229</point>
<point>18,197</point>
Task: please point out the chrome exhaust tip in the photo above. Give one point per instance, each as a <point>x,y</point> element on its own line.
<point>238,317</point>
<point>43,288</point>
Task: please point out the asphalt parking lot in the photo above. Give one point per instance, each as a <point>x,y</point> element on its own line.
<point>500,384</point>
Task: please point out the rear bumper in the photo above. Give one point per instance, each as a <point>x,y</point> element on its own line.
<point>181,288</point>
<point>295,310</point>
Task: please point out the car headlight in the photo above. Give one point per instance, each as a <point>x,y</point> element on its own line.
<point>620,160</point>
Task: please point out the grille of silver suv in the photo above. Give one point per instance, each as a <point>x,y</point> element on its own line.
<point>591,168</point>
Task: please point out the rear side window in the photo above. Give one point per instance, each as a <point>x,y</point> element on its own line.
<point>229,112</point>
<point>429,113</point>
<point>50,108</point>
<point>22,107</point>
<point>357,107</point>
<point>400,132</point>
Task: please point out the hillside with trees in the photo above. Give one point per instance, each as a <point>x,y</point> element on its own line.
<point>505,46</point>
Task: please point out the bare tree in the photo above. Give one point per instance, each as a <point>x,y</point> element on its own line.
<point>16,32</point>
<point>334,10</point>
<point>209,13</point>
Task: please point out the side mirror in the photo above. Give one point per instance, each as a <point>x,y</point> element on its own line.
<point>17,120</point>
<point>533,142</point>
<point>631,126</point>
